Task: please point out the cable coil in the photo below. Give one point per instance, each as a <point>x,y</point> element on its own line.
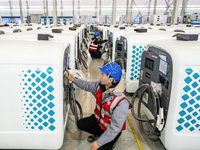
<point>146,88</point>
<point>74,104</point>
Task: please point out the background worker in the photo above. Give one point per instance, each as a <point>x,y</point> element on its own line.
<point>109,118</point>
<point>95,46</point>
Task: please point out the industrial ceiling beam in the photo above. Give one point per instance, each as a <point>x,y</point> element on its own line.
<point>139,12</point>
<point>78,7</point>
<point>114,9</point>
<point>184,6</point>
<point>27,9</point>
<point>127,4</point>
<point>96,8</point>
<point>21,12</point>
<point>73,11</point>
<point>168,7</point>
<point>99,7</point>
<point>55,19</point>
<point>10,6</point>
<point>47,13</point>
<point>44,8</point>
<point>131,14</point>
<point>149,7</point>
<point>155,5</point>
<point>61,8</point>
<point>175,12</point>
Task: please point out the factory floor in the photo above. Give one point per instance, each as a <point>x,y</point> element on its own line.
<point>77,140</point>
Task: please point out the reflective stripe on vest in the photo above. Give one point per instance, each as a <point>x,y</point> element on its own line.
<point>107,113</point>
<point>116,101</point>
<point>102,122</point>
<point>92,46</point>
<point>107,109</point>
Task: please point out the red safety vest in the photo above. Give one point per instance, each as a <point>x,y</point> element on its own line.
<point>92,46</point>
<point>107,109</point>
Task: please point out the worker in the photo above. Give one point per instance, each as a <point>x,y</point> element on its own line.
<point>95,46</point>
<point>109,118</point>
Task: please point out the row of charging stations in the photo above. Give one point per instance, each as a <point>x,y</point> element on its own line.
<point>160,63</point>
<point>133,45</point>
<point>33,106</point>
<point>126,46</point>
<point>78,30</point>
<point>22,28</point>
<point>113,36</point>
<point>168,90</point>
<point>168,71</point>
<point>92,28</point>
<point>38,101</point>
<point>103,29</point>
<point>179,28</point>
<point>57,37</point>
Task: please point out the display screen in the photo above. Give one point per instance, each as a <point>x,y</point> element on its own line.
<point>119,47</point>
<point>149,63</point>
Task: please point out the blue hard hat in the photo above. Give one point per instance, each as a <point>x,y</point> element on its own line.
<point>96,34</point>
<point>113,70</point>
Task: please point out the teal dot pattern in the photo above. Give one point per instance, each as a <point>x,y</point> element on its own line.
<point>136,61</point>
<point>189,114</point>
<point>37,98</point>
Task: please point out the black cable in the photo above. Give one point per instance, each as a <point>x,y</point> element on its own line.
<point>153,130</point>
<point>105,46</point>
<point>120,62</point>
<point>144,88</point>
<point>140,103</point>
<point>77,64</point>
<point>85,42</point>
<point>74,104</point>
<point>88,39</point>
<point>85,64</point>
<point>84,54</point>
<point>79,57</point>
<point>81,60</point>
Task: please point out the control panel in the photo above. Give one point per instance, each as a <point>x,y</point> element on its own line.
<point>156,66</point>
<point>121,50</point>
<point>93,28</point>
<point>110,43</point>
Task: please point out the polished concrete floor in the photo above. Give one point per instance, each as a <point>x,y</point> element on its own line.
<point>77,140</point>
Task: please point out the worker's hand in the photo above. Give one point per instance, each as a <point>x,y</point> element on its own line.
<point>68,75</point>
<point>94,145</point>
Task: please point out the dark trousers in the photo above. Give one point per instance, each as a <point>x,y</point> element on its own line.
<point>90,125</point>
<point>95,54</point>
